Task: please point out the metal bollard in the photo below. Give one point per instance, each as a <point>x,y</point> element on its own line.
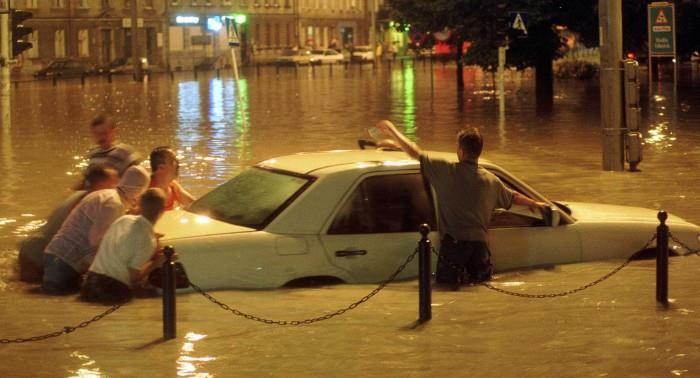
<point>277,69</point>
<point>296,69</point>
<point>257,69</point>
<point>330,68</point>
<point>16,84</point>
<point>109,77</point>
<point>218,73</point>
<point>424,293</point>
<point>662,259</point>
<point>55,80</point>
<point>313,69</point>
<point>82,79</point>
<point>402,63</point>
<point>195,72</point>
<point>168,294</point>
<point>172,75</point>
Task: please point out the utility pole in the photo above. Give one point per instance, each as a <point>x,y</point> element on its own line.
<point>373,28</point>
<point>135,50</point>
<point>5,57</point>
<point>610,23</point>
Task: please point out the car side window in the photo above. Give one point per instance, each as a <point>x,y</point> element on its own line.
<point>385,204</point>
<point>501,218</point>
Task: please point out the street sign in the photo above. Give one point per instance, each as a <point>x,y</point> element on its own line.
<point>662,29</point>
<point>232,33</point>
<point>518,21</point>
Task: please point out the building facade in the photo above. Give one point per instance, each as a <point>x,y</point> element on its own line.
<point>182,34</point>
<point>97,31</point>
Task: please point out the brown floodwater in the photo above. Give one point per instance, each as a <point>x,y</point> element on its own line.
<point>559,152</point>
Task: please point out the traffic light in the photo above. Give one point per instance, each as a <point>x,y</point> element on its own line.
<point>19,31</point>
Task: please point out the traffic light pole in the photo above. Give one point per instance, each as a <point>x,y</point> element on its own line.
<point>610,21</point>
<point>5,39</point>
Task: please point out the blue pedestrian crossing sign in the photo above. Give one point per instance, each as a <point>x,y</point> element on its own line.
<point>232,33</point>
<point>518,21</point>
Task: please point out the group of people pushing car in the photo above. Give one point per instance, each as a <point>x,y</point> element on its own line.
<point>100,240</point>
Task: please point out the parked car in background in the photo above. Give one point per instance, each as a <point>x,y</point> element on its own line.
<point>65,67</point>
<point>124,65</point>
<point>353,216</point>
<point>294,57</point>
<point>362,54</point>
<point>322,56</point>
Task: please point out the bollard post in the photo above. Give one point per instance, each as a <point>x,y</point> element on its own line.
<point>330,68</point>
<point>195,72</point>
<point>402,63</point>
<point>296,69</point>
<point>277,68</point>
<point>257,69</point>
<point>389,65</point>
<point>16,84</point>
<point>662,259</point>
<point>82,79</point>
<point>109,77</point>
<point>55,80</point>
<point>168,294</point>
<point>313,69</point>
<point>424,293</point>
<point>172,75</point>
<point>218,73</point>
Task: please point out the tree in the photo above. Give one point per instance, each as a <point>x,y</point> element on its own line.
<point>484,24</point>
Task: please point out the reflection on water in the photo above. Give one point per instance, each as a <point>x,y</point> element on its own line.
<point>189,365</point>
<point>88,367</point>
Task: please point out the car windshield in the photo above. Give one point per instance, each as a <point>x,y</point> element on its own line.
<point>253,198</point>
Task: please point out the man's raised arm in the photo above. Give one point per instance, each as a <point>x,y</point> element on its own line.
<point>406,145</point>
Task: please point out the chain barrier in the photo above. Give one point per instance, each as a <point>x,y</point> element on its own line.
<point>687,248</point>
<point>64,331</point>
<point>310,320</point>
<point>551,295</point>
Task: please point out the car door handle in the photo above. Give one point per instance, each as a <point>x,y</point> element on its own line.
<point>346,253</point>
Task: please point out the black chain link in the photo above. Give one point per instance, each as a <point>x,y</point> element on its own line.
<point>66,330</point>
<point>310,320</point>
<point>552,295</point>
<point>687,248</point>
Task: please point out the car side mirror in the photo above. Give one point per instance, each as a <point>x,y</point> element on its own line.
<point>551,216</point>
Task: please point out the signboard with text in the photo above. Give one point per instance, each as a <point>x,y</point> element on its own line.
<point>662,29</point>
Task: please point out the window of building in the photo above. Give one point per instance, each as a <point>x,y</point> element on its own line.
<point>83,43</point>
<point>148,4</point>
<point>31,4</point>
<point>83,4</point>
<point>59,46</point>
<point>34,39</point>
<point>105,4</point>
<point>385,204</point>
<point>58,4</point>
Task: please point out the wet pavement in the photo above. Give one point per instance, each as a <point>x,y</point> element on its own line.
<point>612,329</point>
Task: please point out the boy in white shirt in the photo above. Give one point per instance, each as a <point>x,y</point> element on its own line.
<point>127,254</point>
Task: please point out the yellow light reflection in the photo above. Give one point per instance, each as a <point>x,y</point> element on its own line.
<point>201,219</point>
<point>187,365</point>
<point>87,367</point>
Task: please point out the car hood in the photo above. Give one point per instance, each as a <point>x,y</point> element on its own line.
<point>615,213</point>
<point>180,224</point>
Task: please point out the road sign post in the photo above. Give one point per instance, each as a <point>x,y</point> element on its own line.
<point>661,21</point>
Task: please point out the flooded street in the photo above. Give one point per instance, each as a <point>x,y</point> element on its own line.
<point>612,329</point>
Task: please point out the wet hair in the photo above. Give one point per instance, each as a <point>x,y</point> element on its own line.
<point>159,156</point>
<point>471,142</point>
<point>96,173</point>
<point>102,119</point>
<point>152,203</point>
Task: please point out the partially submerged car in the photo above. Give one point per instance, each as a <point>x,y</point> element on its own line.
<point>353,216</point>
<point>65,67</point>
<point>326,56</point>
<point>294,57</point>
<point>124,65</point>
<point>362,54</point>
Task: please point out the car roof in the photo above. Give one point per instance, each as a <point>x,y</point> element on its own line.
<point>310,162</point>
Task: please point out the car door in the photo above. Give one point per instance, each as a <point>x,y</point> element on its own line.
<point>375,228</point>
<point>518,237</point>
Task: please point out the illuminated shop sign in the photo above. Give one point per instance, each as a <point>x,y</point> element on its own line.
<point>188,20</point>
<point>214,23</point>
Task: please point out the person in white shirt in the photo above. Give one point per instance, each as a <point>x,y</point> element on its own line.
<point>127,254</point>
<point>71,251</point>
